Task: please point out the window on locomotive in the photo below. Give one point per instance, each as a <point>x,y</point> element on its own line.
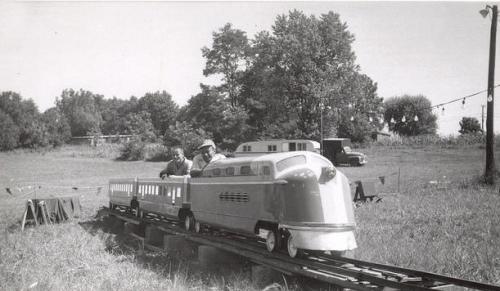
<point>290,162</point>
<point>271,148</point>
<point>230,171</point>
<point>216,172</point>
<point>318,161</point>
<point>265,171</point>
<point>246,171</point>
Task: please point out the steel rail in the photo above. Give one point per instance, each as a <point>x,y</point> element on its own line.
<point>322,267</point>
<point>340,271</point>
<point>417,273</point>
<point>260,257</point>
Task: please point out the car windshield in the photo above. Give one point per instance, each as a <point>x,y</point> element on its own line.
<point>347,149</point>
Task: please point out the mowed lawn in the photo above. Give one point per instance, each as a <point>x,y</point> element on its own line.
<point>451,228</point>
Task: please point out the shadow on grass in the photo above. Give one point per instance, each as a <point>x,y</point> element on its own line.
<point>171,265</point>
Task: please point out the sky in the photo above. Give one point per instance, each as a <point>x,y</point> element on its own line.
<point>128,48</point>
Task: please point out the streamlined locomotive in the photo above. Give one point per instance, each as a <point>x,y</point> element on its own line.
<point>293,199</point>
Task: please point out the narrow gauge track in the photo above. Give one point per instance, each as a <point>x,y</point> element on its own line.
<point>339,271</point>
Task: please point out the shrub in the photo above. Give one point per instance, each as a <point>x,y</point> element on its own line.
<point>157,153</point>
<point>133,150</point>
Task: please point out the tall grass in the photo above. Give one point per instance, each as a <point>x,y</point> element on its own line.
<point>451,227</point>
<point>421,141</point>
<point>452,230</point>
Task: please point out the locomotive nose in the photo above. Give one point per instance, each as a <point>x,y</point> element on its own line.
<point>327,173</point>
<point>301,197</point>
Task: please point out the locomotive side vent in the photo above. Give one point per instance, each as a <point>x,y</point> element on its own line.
<point>233,196</point>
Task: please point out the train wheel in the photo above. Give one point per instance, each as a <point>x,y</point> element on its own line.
<point>189,222</point>
<point>271,241</point>
<point>197,227</point>
<point>293,251</point>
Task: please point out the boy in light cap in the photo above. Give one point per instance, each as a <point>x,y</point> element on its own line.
<point>207,154</point>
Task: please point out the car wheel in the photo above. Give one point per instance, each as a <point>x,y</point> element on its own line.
<point>189,222</point>
<point>293,251</point>
<point>272,241</point>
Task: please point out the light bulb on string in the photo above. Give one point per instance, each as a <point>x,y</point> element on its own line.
<point>416,118</point>
<point>371,119</point>
<point>490,98</point>
<point>392,120</point>
<point>442,111</point>
<point>381,120</point>
<point>463,104</point>
<point>352,118</point>
<point>403,119</point>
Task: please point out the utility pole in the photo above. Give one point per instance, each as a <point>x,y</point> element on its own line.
<point>482,118</point>
<point>321,107</point>
<point>490,171</point>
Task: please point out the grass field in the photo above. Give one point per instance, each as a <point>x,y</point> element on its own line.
<point>451,228</point>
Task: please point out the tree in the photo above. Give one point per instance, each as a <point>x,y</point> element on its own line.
<point>81,108</point>
<point>184,135</point>
<point>469,125</point>
<point>306,64</point>
<point>405,108</point>
<point>26,117</point>
<point>362,115</point>
<point>9,132</point>
<point>139,124</point>
<point>227,57</point>
<point>57,129</point>
<point>113,113</point>
<point>162,109</point>
<point>213,114</point>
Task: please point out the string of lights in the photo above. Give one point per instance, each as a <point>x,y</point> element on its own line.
<point>461,98</point>
<point>441,105</point>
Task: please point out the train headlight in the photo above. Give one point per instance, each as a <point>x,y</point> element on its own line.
<point>327,173</point>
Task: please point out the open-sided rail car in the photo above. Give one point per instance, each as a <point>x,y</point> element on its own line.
<point>168,197</point>
<point>122,192</point>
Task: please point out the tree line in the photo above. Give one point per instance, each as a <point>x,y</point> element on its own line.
<point>293,81</point>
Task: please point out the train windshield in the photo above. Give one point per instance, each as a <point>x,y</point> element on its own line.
<point>315,160</point>
<point>290,162</point>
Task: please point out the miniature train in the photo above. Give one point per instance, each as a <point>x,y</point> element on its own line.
<point>296,200</point>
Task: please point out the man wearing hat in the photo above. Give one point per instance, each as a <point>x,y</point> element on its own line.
<point>207,154</point>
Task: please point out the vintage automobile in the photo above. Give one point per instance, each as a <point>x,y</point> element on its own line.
<point>338,150</point>
<point>296,200</point>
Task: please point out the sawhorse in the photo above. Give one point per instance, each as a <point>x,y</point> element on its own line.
<point>30,209</point>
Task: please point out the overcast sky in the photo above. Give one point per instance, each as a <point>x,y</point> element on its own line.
<point>438,49</point>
